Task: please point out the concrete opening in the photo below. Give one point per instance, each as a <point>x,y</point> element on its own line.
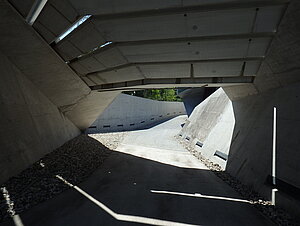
<point>76,150</point>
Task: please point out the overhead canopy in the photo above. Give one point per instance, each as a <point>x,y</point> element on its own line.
<point>129,40</point>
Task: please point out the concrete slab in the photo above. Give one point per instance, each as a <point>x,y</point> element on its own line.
<point>166,71</point>
<point>119,75</point>
<point>37,60</point>
<point>89,108</point>
<point>196,50</point>
<point>85,38</point>
<point>195,24</point>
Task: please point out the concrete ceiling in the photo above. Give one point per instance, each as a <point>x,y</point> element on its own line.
<point>161,39</point>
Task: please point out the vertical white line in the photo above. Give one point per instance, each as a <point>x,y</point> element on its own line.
<point>274,148</point>
<point>274,156</point>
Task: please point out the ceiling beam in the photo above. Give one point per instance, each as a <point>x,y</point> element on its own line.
<point>190,9</point>
<point>176,40</point>
<point>173,82</point>
<point>244,59</point>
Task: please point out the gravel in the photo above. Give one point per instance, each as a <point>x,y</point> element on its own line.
<point>74,161</point>
<point>277,215</point>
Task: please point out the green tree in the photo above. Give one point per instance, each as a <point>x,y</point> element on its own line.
<point>157,94</point>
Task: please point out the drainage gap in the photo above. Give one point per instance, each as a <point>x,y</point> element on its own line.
<point>199,144</point>
<point>221,155</point>
<point>72,28</point>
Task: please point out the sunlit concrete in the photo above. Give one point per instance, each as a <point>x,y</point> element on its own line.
<point>129,112</point>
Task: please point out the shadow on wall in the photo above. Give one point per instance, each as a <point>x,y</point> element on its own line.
<point>128,112</point>
<point>126,189</point>
<point>251,148</point>
<point>238,136</point>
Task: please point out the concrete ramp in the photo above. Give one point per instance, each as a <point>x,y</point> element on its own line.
<point>210,127</point>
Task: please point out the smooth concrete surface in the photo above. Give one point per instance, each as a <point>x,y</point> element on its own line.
<point>211,123</point>
<point>43,101</point>
<point>281,65</point>
<point>250,157</point>
<point>131,188</point>
<point>31,125</point>
<point>37,60</point>
<point>276,85</point>
<point>90,107</point>
<point>182,39</point>
<point>45,69</point>
<point>191,97</point>
<point>128,112</point>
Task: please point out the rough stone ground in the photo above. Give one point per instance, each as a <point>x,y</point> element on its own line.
<point>277,215</point>
<point>75,161</point>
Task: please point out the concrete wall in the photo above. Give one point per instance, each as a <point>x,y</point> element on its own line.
<point>242,129</point>
<point>276,85</point>
<point>251,150</point>
<point>31,125</point>
<point>211,125</point>
<point>129,112</point>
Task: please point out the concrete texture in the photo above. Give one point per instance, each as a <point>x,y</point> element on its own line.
<point>129,188</point>
<point>32,125</point>
<point>152,27</point>
<point>37,61</point>
<point>250,158</point>
<point>160,33</point>
<point>46,70</point>
<point>276,85</point>
<point>130,112</point>
<point>44,100</point>
<point>191,97</point>
<point>87,109</point>
<point>211,124</point>
<point>281,65</point>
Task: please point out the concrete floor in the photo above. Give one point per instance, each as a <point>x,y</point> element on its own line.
<point>149,179</point>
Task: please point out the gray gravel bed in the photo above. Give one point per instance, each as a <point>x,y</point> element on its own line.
<point>277,215</point>
<point>74,161</point>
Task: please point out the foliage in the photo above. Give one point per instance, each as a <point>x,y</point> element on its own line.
<point>157,94</point>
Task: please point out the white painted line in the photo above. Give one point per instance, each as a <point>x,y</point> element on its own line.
<point>197,195</point>
<point>274,155</point>
<point>124,217</point>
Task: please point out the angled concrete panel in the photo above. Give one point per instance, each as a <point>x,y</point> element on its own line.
<point>213,69</point>
<point>119,75</point>
<point>89,108</point>
<point>193,24</point>
<point>196,50</point>
<point>268,18</point>
<point>123,6</point>
<point>91,64</point>
<point>111,58</point>
<point>53,20</point>
<point>22,6</point>
<point>38,62</point>
<point>166,71</point>
<point>85,38</point>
